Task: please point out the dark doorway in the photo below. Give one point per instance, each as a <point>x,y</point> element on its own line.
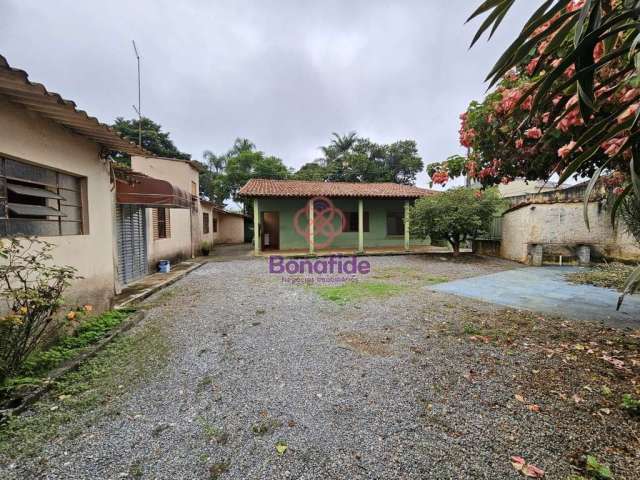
<point>270,237</point>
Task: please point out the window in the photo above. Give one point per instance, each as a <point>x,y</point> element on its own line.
<point>39,201</point>
<point>194,188</point>
<point>161,223</point>
<point>205,222</point>
<point>351,222</point>
<point>395,223</point>
<point>215,225</point>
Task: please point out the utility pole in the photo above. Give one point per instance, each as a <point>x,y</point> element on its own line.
<point>139,108</point>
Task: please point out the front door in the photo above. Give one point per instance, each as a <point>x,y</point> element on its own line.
<point>270,236</point>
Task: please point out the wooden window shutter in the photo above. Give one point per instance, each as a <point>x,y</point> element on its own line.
<point>168,222</point>
<point>154,223</point>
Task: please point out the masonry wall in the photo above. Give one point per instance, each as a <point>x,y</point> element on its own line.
<point>230,229</point>
<point>29,137</point>
<point>563,223</point>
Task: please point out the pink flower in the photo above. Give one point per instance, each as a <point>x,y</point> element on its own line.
<point>612,146</point>
<point>570,71</point>
<point>527,104</point>
<point>575,5</point>
<point>510,97</point>
<point>598,51</point>
<point>618,191</point>
<point>570,119</point>
<point>628,113</point>
<point>531,67</point>
<point>505,180</point>
<point>630,95</point>
<point>572,102</point>
<point>519,143</point>
<point>545,117</point>
<point>478,194</point>
<point>565,150</point>
<point>534,133</point>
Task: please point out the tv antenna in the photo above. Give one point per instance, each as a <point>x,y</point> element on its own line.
<point>138,109</point>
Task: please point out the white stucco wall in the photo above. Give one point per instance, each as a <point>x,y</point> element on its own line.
<point>29,137</point>
<point>230,229</point>
<point>186,224</point>
<point>563,223</point>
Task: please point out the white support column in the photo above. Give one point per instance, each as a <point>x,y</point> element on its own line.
<point>256,227</point>
<point>312,237</point>
<point>360,225</point>
<point>406,226</point>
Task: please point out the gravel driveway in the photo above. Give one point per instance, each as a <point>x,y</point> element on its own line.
<point>370,389</point>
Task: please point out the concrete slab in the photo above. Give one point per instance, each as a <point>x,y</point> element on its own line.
<point>545,290</point>
<point>143,288</point>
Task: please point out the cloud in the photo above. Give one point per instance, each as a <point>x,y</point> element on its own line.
<point>283,73</point>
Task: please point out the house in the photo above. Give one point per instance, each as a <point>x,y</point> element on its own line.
<point>220,226</point>
<point>173,232</point>
<point>306,216</point>
<point>55,181</point>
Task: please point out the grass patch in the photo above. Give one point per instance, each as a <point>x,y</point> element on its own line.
<point>37,366</point>
<point>608,275</point>
<point>80,398</point>
<point>354,291</point>
<point>408,274</point>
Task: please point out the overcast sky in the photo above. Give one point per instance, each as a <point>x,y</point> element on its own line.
<point>284,74</point>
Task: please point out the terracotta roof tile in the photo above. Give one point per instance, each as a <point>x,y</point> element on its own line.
<point>16,86</point>
<point>258,187</point>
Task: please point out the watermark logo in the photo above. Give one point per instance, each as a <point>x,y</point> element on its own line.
<point>326,270</point>
<point>328,221</point>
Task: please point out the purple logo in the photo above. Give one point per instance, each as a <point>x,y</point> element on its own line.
<point>328,221</point>
<point>335,264</point>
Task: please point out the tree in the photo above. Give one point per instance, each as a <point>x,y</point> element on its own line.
<point>455,215</point>
<point>566,99</point>
<point>313,171</point>
<point>349,158</point>
<point>227,173</point>
<point>153,139</point>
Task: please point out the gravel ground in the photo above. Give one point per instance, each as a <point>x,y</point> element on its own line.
<point>374,389</point>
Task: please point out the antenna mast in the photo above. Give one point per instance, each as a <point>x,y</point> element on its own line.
<point>139,108</point>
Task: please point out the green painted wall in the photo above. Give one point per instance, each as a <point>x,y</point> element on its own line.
<point>375,237</point>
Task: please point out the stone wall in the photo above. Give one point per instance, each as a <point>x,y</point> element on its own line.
<point>561,224</point>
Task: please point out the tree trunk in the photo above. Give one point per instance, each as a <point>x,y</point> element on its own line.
<point>456,248</point>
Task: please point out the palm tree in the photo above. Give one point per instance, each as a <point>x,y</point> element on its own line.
<point>215,163</point>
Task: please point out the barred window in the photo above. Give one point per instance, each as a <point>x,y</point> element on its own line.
<point>215,225</point>
<point>205,222</point>
<point>161,220</point>
<point>39,201</point>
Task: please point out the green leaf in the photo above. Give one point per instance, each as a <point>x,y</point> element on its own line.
<point>587,193</point>
<point>630,286</point>
<point>618,202</point>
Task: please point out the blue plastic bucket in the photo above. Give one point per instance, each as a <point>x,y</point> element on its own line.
<point>164,266</point>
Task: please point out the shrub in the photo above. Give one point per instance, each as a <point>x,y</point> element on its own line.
<point>32,290</point>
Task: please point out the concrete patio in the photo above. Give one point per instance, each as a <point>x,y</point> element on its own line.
<point>545,290</point>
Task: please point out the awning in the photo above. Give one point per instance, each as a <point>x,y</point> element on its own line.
<point>143,190</point>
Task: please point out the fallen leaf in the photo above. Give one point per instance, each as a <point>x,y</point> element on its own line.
<point>526,469</point>
<point>577,398</point>
<point>534,408</point>
<point>281,447</point>
<point>519,397</point>
<point>532,471</point>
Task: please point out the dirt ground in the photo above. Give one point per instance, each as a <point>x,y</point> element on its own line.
<point>256,376</point>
